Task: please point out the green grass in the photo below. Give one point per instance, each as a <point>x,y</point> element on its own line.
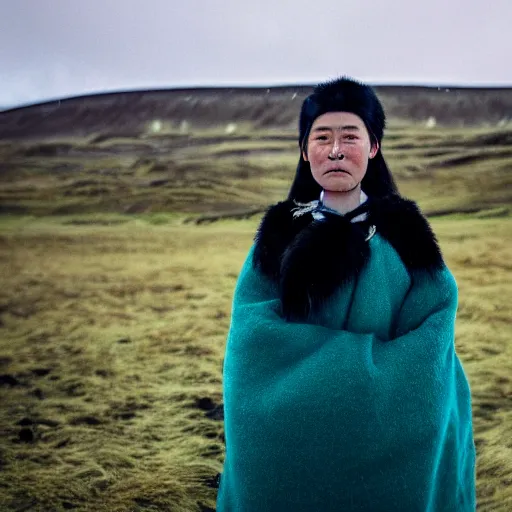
<point>114,331</point>
<point>114,311</point>
<point>209,171</point>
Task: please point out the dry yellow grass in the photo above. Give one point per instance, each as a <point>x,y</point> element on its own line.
<point>113,326</point>
<point>111,358</point>
<point>205,172</point>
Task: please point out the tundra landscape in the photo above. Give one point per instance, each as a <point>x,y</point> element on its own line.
<point>124,221</point>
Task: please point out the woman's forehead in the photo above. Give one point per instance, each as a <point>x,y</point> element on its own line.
<point>338,121</point>
<point>339,118</point>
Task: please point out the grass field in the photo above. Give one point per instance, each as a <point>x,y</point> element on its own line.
<point>114,311</point>
<point>212,171</point>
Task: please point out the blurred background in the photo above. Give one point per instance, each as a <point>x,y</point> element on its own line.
<point>140,143</point>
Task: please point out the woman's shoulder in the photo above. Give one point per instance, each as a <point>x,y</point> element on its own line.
<point>396,219</point>
<point>401,223</point>
<point>307,259</point>
<point>278,228</point>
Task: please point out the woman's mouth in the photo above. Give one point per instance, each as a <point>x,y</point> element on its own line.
<point>336,170</point>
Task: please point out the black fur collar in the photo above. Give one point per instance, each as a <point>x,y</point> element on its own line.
<point>310,259</point>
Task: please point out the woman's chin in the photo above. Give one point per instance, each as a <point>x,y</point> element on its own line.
<point>340,187</point>
<point>338,181</point>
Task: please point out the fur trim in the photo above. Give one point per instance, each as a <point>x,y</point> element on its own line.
<point>323,256</point>
<point>402,224</point>
<point>309,259</point>
<point>276,231</point>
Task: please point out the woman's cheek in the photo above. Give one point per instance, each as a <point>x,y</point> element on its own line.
<point>356,155</point>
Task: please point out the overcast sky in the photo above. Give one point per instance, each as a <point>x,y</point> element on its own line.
<point>58,48</point>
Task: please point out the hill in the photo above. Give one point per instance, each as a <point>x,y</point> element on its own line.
<point>224,151</point>
<point>133,113</point>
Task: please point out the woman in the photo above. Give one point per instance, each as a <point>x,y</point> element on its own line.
<point>342,387</point>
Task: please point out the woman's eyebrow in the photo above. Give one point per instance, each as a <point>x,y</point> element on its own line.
<point>330,128</point>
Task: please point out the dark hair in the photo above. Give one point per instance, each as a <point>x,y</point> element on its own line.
<point>343,95</point>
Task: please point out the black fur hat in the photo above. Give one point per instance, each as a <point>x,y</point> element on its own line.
<point>343,95</point>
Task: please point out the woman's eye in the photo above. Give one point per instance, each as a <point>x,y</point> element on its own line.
<point>351,137</point>
<point>321,137</point>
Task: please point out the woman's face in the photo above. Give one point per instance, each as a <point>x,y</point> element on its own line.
<point>338,151</point>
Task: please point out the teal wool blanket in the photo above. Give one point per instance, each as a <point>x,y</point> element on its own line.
<point>365,407</point>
